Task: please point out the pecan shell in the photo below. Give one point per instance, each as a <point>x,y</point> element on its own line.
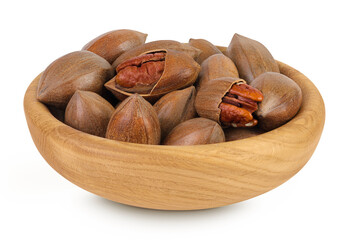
<point>229,102</point>
<point>216,66</point>
<point>250,57</point>
<point>196,131</point>
<point>134,120</point>
<point>207,49</point>
<point>282,99</point>
<point>210,96</point>
<point>80,70</point>
<point>112,44</point>
<point>175,108</point>
<point>88,112</point>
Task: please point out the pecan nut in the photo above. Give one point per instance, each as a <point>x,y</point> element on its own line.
<point>282,99</point>
<point>153,74</point>
<point>250,57</point>
<point>175,108</point>
<point>206,47</point>
<point>112,44</point>
<point>140,74</point>
<point>80,70</point>
<point>216,66</point>
<point>229,101</point>
<point>189,50</point>
<point>134,120</point>
<point>195,131</point>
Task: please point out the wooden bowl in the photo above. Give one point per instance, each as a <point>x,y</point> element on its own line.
<point>179,177</point>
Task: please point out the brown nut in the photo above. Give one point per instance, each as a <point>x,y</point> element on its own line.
<point>175,108</point>
<point>134,120</point>
<point>229,101</point>
<point>195,131</point>
<point>250,57</point>
<point>282,99</point>
<point>88,112</point>
<point>112,44</point>
<point>232,134</point>
<point>161,44</point>
<point>207,49</point>
<point>154,74</point>
<point>81,70</point>
<point>216,66</point>
<point>140,74</point>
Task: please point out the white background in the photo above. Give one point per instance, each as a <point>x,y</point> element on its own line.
<point>319,38</point>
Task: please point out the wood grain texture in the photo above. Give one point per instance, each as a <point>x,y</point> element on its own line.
<point>180,177</point>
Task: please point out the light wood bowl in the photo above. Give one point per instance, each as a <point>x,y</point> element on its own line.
<point>180,177</point>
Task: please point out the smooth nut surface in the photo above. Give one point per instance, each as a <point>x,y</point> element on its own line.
<point>175,108</point>
<point>81,70</point>
<point>282,99</point>
<point>88,112</point>
<point>216,66</point>
<point>250,57</point>
<point>207,49</point>
<point>136,121</point>
<point>195,131</point>
<point>112,44</point>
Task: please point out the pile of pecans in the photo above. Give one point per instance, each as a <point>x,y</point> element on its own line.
<point>167,92</point>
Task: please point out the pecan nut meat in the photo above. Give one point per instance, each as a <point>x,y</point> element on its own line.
<point>229,101</point>
<point>238,105</point>
<point>140,74</point>
<point>186,48</point>
<point>153,74</point>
